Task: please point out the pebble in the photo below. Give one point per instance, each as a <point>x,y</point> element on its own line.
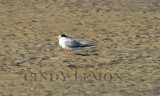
<point>19,61</point>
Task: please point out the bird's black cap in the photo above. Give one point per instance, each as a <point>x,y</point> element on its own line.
<point>63,35</point>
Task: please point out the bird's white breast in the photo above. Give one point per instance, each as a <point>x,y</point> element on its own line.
<point>61,42</point>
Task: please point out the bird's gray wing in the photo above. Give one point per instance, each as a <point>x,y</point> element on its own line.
<point>72,43</point>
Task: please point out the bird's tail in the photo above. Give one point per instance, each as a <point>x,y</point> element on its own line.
<point>86,44</point>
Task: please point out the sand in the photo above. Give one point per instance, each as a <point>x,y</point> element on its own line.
<point>124,61</point>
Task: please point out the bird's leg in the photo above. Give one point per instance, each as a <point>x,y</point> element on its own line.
<point>69,52</point>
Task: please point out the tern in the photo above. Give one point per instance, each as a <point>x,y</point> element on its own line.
<point>70,44</point>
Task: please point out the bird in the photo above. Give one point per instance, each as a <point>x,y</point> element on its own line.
<point>70,44</point>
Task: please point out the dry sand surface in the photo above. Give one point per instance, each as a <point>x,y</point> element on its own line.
<point>124,62</point>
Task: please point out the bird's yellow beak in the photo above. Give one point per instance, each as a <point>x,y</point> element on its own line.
<point>56,38</point>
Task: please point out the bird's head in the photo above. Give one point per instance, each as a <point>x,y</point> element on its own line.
<point>60,37</point>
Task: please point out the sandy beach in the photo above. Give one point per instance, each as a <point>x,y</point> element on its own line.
<point>125,60</point>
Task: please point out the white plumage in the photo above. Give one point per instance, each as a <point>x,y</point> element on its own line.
<point>70,44</point>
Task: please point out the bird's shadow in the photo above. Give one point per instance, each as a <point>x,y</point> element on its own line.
<point>87,53</point>
<point>83,54</point>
